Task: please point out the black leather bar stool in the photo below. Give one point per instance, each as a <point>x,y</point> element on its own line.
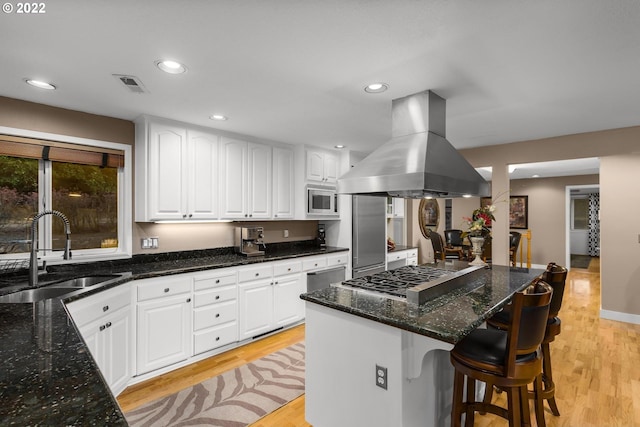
<point>556,276</point>
<point>509,359</point>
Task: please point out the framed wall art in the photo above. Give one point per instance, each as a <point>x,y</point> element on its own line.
<point>428,216</point>
<point>518,210</point>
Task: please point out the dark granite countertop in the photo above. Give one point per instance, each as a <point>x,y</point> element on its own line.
<point>400,248</point>
<point>48,377</point>
<point>447,318</point>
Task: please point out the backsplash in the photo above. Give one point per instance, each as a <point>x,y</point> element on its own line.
<point>185,237</point>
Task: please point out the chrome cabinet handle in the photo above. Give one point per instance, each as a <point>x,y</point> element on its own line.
<point>105,308</point>
<point>108,325</point>
<point>102,327</point>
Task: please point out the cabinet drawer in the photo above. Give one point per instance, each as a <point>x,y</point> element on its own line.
<point>214,281</point>
<point>215,295</point>
<point>215,314</point>
<point>218,336</point>
<point>395,256</point>
<point>314,263</point>
<point>254,273</point>
<point>163,287</point>
<point>289,267</point>
<point>93,307</point>
<point>337,259</point>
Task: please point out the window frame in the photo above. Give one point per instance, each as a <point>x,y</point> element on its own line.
<point>125,198</point>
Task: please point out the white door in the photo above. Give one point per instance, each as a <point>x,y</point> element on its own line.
<point>118,349</point>
<point>256,308</point>
<point>233,178</point>
<point>288,306</point>
<point>259,167</point>
<point>283,205</point>
<point>203,176</point>
<point>166,179</point>
<point>164,331</point>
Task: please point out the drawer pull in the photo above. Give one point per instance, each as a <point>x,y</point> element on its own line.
<point>217,297</point>
<point>102,327</point>
<point>108,325</point>
<point>257,274</point>
<point>289,269</point>
<point>188,299</point>
<point>105,308</point>
<point>217,281</point>
<point>217,338</point>
<point>217,315</point>
<point>166,290</point>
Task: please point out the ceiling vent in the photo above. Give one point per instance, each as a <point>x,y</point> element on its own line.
<point>132,83</point>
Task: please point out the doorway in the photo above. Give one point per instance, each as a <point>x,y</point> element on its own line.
<point>582,224</point>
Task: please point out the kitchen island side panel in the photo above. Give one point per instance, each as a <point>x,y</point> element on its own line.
<point>341,357</point>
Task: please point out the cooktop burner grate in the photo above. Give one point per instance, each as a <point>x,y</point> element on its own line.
<point>395,282</point>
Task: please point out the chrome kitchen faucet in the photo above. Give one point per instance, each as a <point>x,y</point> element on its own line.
<point>33,261</point>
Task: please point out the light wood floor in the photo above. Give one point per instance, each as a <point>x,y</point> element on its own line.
<point>596,366</point>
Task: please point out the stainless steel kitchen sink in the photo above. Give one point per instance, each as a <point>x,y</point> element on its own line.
<point>35,295</point>
<point>58,289</point>
<point>85,281</point>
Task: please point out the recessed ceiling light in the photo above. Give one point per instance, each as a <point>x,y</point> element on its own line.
<point>218,117</point>
<point>171,67</point>
<point>339,146</point>
<point>376,87</point>
<point>40,84</point>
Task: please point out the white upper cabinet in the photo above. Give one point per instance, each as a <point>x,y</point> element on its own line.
<point>202,202</point>
<point>322,166</point>
<point>245,180</point>
<point>175,172</point>
<point>283,176</point>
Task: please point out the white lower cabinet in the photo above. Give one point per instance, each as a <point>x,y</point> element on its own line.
<point>164,322</point>
<point>269,297</point>
<point>105,323</point>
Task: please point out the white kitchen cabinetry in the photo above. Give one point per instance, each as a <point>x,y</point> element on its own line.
<point>164,322</point>
<point>215,310</point>
<point>283,180</point>
<point>105,323</point>
<point>395,207</point>
<point>269,297</point>
<point>400,258</point>
<point>322,166</point>
<point>245,180</point>
<point>412,257</point>
<point>176,175</point>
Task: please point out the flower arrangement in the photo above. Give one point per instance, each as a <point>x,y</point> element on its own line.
<point>480,221</point>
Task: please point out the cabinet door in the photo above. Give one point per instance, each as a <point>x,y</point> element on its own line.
<point>233,178</point>
<point>167,184</point>
<point>256,308</point>
<point>330,167</point>
<point>203,176</point>
<point>283,170</point>
<point>117,338</point>
<point>164,332</point>
<point>259,191</point>
<point>288,306</point>
<point>315,166</point>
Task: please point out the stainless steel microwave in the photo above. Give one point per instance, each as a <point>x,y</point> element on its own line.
<point>322,201</point>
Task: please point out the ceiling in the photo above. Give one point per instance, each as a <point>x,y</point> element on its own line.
<point>294,71</point>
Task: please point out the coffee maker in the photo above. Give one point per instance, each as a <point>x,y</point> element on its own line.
<point>248,241</point>
<point>320,240</point>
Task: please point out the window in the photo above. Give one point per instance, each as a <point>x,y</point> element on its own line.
<point>579,213</point>
<point>87,183</point>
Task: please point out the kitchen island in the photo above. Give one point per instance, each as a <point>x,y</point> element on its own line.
<point>47,374</point>
<point>352,334</point>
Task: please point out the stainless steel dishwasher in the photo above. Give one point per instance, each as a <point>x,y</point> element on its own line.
<point>323,278</point>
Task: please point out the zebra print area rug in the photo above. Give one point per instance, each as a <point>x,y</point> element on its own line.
<point>235,398</point>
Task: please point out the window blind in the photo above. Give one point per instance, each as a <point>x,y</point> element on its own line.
<point>60,151</point>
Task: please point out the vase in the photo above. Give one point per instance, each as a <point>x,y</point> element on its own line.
<point>476,244</point>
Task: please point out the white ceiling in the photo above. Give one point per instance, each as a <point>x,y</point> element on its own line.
<point>294,71</point>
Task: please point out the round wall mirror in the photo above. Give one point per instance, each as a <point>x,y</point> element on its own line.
<point>428,216</point>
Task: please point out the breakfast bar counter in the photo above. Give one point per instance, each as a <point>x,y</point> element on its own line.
<point>353,335</point>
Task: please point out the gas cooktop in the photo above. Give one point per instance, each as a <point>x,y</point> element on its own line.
<point>396,282</point>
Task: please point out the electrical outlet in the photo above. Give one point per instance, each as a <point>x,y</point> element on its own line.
<point>286,233</point>
<point>154,242</point>
<point>381,377</point>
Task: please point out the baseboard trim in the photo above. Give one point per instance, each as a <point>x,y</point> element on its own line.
<point>620,317</point>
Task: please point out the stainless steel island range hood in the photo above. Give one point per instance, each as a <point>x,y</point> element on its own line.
<point>418,161</point>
